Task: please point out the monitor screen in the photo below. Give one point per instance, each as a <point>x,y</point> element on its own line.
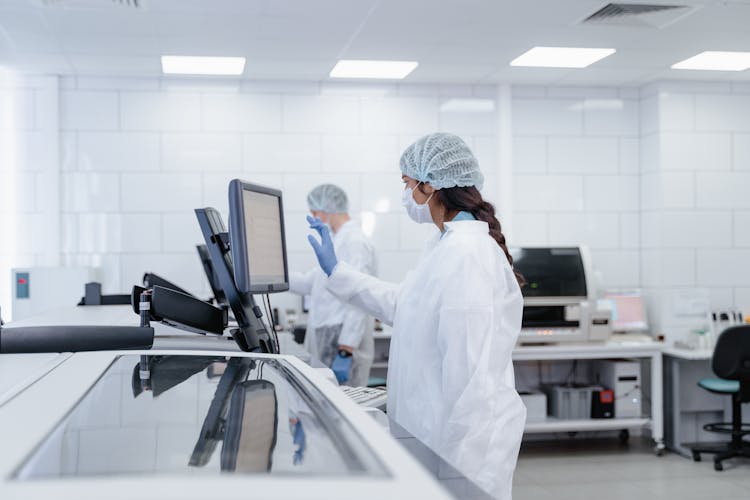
<point>628,311</point>
<point>551,272</point>
<point>256,229</point>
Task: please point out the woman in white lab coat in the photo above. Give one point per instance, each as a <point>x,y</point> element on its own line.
<point>455,318</point>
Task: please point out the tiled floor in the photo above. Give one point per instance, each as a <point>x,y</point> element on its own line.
<point>602,469</point>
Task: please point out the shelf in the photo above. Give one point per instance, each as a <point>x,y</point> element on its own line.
<point>380,364</point>
<point>552,424</point>
<point>587,351</point>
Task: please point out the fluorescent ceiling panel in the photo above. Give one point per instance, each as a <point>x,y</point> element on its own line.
<point>386,70</point>
<point>561,57</point>
<point>191,65</point>
<point>468,105</point>
<point>716,61</point>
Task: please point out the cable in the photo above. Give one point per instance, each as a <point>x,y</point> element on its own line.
<point>270,320</point>
<point>572,372</point>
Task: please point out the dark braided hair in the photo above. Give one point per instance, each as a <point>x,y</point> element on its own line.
<point>469,199</point>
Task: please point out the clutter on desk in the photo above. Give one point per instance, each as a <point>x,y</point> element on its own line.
<point>715,322</point>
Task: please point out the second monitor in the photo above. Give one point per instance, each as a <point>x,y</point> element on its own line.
<point>256,231</point>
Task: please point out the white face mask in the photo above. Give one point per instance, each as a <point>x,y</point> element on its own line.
<point>419,213</point>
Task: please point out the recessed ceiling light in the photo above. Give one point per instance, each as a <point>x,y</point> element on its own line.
<point>716,61</point>
<point>468,105</point>
<point>190,65</point>
<point>388,70</point>
<point>561,57</point>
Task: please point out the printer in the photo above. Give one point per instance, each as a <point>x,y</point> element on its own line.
<point>559,300</point>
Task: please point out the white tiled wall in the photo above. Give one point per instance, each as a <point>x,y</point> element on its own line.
<point>694,194</point>
<point>654,182</point>
<point>576,175</point>
<point>140,157</point>
<point>29,176</point>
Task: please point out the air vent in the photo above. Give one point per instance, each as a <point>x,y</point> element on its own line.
<point>92,4</point>
<point>639,14</point>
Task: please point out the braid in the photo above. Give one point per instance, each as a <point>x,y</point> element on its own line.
<point>469,199</point>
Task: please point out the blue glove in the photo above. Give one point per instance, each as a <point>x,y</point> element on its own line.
<point>341,367</point>
<point>299,440</point>
<point>323,250</point>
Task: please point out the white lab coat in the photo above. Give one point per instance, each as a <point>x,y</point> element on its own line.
<point>455,319</point>
<point>331,322</point>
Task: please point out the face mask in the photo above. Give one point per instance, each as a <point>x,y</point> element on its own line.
<point>418,213</point>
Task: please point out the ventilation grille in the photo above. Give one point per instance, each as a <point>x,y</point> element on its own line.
<point>639,14</point>
<point>92,4</point>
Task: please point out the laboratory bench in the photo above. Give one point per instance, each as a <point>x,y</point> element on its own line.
<point>677,411</point>
<point>65,383</point>
<point>197,424</point>
<point>648,351</point>
<point>688,407</point>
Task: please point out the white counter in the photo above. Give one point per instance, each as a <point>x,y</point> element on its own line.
<point>30,418</point>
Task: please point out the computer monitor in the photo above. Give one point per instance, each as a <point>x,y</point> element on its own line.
<point>628,311</point>
<point>552,272</point>
<point>213,280</point>
<point>256,232</point>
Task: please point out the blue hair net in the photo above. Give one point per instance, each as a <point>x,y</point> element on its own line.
<point>328,198</point>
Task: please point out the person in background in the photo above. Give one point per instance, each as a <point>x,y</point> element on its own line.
<point>338,335</point>
<point>455,317</point>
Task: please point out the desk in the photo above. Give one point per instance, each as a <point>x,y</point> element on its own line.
<point>639,349</point>
<point>90,408</point>
<point>613,349</point>
<point>687,406</point>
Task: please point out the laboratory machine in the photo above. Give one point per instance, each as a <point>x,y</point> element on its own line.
<point>559,299</point>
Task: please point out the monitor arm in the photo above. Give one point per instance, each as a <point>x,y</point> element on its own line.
<point>251,335</point>
<point>177,309</point>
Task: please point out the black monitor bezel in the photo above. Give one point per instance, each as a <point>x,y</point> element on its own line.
<point>213,280</point>
<point>238,238</point>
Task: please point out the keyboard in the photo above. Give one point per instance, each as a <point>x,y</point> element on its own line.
<point>366,396</point>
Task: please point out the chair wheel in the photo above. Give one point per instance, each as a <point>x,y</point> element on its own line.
<point>696,456</point>
<point>718,466</point>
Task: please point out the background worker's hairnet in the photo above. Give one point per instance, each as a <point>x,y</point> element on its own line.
<point>328,198</point>
<point>443,160</point>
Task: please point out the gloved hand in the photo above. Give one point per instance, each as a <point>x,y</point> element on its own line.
<point>323,250</point>
<point>298,434</point>
<point>341,367</point>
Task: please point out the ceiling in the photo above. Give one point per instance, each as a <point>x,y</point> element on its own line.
<point>461,41</point>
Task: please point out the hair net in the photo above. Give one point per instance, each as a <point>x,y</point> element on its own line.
<point>328,198</point>
<point>443,160</point>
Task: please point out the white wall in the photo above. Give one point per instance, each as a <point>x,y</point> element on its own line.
<point>143,153</point>
<point>696,203</point>
<point>576,169</point>
<point>652,180</point>
<point>29,176</point>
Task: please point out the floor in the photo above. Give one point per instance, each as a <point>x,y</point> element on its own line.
<point>593,469</point>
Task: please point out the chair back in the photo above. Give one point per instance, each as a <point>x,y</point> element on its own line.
<point>731,359</point>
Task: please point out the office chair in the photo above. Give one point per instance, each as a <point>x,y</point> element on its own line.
<point>731,362</point>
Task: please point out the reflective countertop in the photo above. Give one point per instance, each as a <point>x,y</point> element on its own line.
<point>200,415</point>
